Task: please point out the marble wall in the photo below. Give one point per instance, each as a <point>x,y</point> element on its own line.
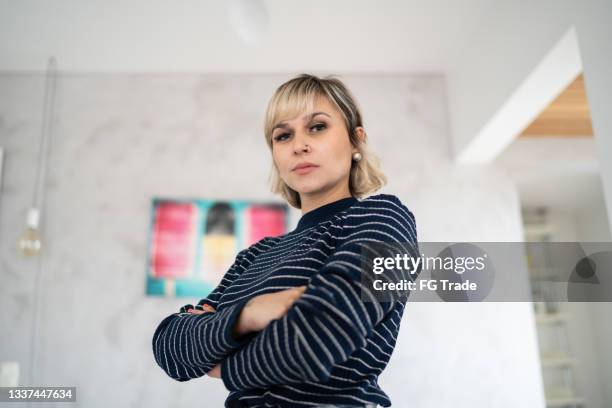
<point>119,140</point>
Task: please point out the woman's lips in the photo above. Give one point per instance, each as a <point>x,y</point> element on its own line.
<point>305,170</point>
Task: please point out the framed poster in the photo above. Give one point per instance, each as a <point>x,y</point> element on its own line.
<point>192,243</point>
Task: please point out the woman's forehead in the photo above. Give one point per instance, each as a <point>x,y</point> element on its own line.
<point>305,109</point>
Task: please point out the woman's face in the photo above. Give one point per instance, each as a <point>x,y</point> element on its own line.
<point>329,152</point>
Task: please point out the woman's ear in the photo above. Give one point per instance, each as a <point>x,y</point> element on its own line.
<point>361,134</point>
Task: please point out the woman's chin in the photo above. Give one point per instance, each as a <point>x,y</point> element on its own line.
<point>307,188</point>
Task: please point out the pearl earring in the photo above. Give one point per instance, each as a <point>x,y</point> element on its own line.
<point>356,156</point>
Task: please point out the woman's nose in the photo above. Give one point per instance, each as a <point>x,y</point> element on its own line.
<point>303,149</point>
<point>300,144</point>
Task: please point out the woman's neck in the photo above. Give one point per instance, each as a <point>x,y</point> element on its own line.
<point>313,201</point>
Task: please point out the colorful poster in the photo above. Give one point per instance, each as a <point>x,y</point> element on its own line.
<point>193,243</point>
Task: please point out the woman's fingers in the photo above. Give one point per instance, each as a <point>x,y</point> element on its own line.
<point>215,372</point>
<point>299,290</point>
<point>206,309</point>
<point>293,294</point>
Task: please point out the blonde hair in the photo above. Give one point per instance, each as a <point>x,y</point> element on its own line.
<point>299,95</point>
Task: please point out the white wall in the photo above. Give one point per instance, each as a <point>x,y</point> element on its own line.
<point>119,140</point>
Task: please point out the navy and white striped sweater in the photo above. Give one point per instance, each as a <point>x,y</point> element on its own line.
<point>331,346</point>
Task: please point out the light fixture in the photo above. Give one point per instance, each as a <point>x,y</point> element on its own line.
<point>249,19</point>
<point>30,243</point>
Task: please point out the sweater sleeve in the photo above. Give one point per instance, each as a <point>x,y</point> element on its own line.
<point>187,345</point>
<point>330,320</point>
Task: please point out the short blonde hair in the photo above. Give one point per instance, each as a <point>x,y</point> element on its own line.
<point>299,95</point>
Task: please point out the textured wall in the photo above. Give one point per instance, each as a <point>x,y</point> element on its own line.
<point>120,139</point>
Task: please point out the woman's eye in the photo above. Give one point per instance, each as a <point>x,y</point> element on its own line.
<point>319,126</point>
<point>280,137</point>
<point>283,136</point>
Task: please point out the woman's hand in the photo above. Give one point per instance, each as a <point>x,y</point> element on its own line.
<point>261,310</point>
<point>215,372</point>
<point>206,308</point>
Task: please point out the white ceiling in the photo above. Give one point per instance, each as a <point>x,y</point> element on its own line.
<point>197,36</point>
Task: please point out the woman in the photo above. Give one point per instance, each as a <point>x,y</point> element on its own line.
<point>287,326</point>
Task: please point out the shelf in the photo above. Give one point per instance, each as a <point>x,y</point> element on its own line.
<point>562,402</point>
<point>547,274</point>
<point>557,361</point>
<point>538,229</point>
<point>550,318</point>
<point>559,397</point>
<point>554,355</point>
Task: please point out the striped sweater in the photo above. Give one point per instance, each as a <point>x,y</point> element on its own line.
<point>331,346</point>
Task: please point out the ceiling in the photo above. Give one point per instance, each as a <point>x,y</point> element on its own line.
<point>567,115</point>
<point>205,36</point>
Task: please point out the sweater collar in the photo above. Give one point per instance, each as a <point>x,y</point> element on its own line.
<point>324,212</point>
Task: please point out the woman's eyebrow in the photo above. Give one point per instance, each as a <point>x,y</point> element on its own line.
<point>283,125</point>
